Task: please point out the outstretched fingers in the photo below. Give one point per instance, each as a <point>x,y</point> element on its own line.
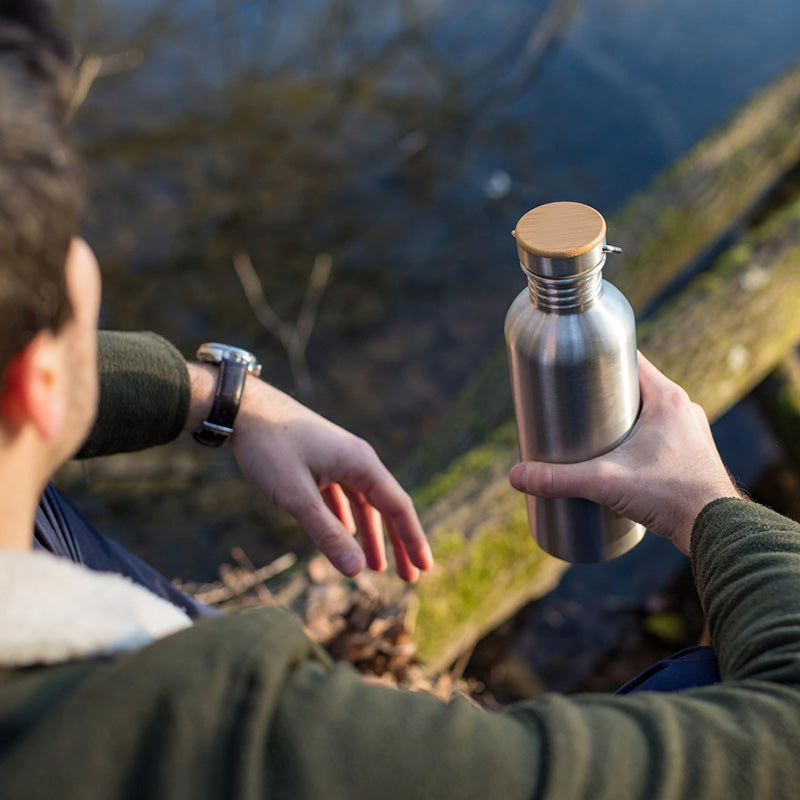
<point>356,514</point>
<point>325,528</point>
<point>402,524</point>
<point>337,502</point>
<point>377,485</point>
<point>405,569</point>
<point>370,530</point>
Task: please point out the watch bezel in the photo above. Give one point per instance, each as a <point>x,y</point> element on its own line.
<point>215,353</point>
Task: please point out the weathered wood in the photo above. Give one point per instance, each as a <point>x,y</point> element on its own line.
<point>719,337</point>
<point>732,326</point>
<point>779,397</point>
<point>663,230</point>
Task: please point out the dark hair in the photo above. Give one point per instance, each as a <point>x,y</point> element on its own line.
<point>40,187</point>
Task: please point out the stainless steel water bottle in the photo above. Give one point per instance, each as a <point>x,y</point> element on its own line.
<point>571,342</point>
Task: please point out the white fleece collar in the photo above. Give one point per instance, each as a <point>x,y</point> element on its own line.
<point>53,611</point>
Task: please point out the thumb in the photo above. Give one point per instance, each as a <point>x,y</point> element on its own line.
<point>558,480</point>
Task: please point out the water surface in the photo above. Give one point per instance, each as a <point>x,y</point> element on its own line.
<point>405,139</point>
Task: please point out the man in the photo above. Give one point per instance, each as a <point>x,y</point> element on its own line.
<point>108,692</point>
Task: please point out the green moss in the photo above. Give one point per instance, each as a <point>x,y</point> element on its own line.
<point>475,461</point>
<point>789,399</point>
<point>670,627</point>
<point>474,578</point>
<point>506,435</point>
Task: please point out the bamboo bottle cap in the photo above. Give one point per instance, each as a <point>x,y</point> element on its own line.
<point>561,239</point>
<point>560,230</point>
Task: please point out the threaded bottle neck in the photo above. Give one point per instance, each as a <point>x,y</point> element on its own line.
<point>566,295</point>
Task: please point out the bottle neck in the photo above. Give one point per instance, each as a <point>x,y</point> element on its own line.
<point>566,295</point>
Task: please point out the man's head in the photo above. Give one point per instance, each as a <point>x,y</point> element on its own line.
<point>49,286</point>
<point>40,190</point>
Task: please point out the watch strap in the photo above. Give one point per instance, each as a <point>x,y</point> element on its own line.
<point>218,426</point>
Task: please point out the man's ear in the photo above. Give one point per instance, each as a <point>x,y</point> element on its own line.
<point>31,392</point>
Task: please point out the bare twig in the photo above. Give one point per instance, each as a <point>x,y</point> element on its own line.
<point>254,291</point>
<point>320,275</point>
<point>234,587</point>
<point>265,596</point>
<point>87,74</point>
<point>293,338</point>
<point>457,671</point>
<point>94,66</point>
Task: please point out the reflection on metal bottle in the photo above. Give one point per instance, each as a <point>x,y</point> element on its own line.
<point>571,342</point>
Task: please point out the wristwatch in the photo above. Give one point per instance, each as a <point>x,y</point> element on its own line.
<point>234,366</point>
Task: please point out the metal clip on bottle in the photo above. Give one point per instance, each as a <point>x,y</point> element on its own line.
<point>571,342</point>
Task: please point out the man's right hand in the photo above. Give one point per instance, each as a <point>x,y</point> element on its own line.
<point>332,482</point>
<point>662,475</point>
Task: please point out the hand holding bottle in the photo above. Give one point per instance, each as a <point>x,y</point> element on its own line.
<point>662,475</point>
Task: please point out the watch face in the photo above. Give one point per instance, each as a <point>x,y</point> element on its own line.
<point>214,352</point>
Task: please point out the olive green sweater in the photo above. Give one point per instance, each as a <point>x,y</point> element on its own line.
<point>247,707</point>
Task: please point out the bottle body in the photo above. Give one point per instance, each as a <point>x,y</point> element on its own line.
<point>576,395</point>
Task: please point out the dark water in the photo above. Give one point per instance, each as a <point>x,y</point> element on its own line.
<point>405,139</point>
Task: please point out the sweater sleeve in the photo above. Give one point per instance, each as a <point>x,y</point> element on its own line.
<point>336,737</point>
<point>144,394</point>
<point>246,707</point>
